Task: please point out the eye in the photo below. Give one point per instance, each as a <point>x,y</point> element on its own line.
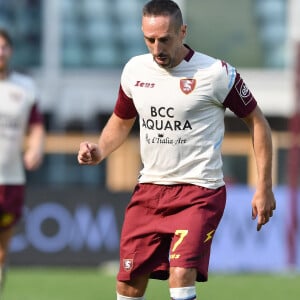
<point>164,40</point>
<point>150,40</point>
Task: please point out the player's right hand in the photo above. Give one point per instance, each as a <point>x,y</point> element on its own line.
<point>88,154</point>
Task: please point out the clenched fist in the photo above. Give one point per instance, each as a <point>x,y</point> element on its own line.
<point>89,154</point>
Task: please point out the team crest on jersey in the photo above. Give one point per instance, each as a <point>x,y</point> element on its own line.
<point>187,85</point>
<point>243,91</point>
<point>127,264</point>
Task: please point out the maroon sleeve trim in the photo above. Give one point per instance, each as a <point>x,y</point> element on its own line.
<point>125,108</point>
<point>240,99</point>
<point>35,115</point>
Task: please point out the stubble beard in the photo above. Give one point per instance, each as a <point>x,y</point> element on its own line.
<point>168,65</point>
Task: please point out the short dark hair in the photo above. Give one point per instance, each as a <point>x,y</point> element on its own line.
<point>164,8</point>
<point>5,35</point>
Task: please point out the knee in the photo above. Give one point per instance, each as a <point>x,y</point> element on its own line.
<point>128,290</point>
<point>134,288</point>
<point>180,277</point>
<point>3,254</point>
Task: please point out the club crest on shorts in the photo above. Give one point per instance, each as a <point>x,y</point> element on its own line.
<point>127,264</point>
<point>187,85</point>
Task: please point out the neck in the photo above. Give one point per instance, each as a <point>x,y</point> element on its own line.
<point>181,54</point>
<point>185,52</point>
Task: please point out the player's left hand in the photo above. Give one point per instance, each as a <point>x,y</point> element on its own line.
<point>263,205</point>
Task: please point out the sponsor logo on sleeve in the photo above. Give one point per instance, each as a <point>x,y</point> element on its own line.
<point>243,92</point>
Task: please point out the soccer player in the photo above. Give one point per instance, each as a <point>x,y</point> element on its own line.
<point>180,97</point>
<point>19,115</point>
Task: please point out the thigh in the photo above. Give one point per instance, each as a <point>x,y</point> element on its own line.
<point>194,228</point>
<point>143,249</point>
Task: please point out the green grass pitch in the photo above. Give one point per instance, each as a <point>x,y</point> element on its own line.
<point>92,284</point>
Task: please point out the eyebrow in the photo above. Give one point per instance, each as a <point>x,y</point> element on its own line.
<point>160,38</point>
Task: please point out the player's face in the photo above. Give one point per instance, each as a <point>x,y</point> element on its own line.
<point>5,53</point>
<point>164,40</point>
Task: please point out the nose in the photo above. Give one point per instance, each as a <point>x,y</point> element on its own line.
<point>157,48</point>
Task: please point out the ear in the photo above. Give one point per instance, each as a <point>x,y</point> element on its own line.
<point>184,30</point>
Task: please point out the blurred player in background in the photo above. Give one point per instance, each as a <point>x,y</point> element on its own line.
<point>19,116</point>
<point>180,97</point>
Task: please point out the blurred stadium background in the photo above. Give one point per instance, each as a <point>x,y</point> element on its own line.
<point>75,50</point>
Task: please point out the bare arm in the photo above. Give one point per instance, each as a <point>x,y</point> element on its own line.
<point>113,135</point>
<point>34,150</point>
<point>263,202</point>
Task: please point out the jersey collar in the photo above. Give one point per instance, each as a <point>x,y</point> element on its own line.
<point>190,53</point>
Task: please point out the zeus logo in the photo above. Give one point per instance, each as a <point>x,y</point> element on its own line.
<point>209,236</point>
<point>145,84</point>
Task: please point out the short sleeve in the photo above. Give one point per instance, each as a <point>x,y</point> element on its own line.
<point>124,107</point>
<point>35,116</point>
<point>230,90</point>
<point>240,99</point>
